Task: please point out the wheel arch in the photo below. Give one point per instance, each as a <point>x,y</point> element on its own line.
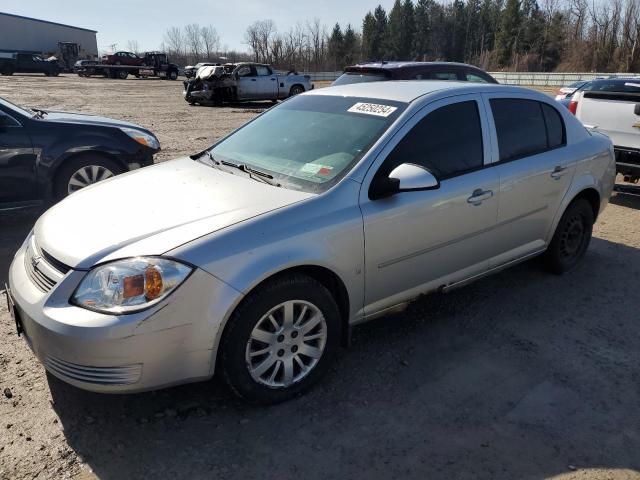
<point>58,167</point>
<point>297,85</point>
<point>592,196</point>
<point>328,278</point>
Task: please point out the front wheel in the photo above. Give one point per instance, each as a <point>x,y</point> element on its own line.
<point>280,340</point>
<point>82,172</point>
<point>571,238</point>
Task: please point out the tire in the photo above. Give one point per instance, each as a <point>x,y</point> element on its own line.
<point>105,168</point>
<point>123,74</point>
<point>7,70</point>
<point>571,238</point>
<point>296,90</point>
<point>243,372</point>
<point>173,75</point>
<point>55,73</point>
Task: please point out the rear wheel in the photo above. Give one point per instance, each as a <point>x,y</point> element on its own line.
<point>571,238</point>
<point>123,74</point>
<point>7,70</point>
<point>173,75</point>
<point>296,90</point>
<point>280,340</point>
<point>82,172</point>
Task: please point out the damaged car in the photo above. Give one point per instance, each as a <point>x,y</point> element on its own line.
<point>240,82</point>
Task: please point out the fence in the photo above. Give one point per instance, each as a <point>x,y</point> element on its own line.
<point>511,78</point>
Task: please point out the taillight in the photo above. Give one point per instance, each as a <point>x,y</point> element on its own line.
<point>573,106</point>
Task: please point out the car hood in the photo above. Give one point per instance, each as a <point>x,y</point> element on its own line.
<point>87,119</point>
<point>153,210</point>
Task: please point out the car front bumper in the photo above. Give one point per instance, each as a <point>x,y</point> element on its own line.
<point>171,343</point>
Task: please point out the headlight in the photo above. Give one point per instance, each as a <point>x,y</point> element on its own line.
<point>130,285</point>
<point>142,138</point>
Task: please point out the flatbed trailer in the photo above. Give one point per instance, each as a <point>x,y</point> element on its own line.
<point>123,71</point>
<point>156,65</point>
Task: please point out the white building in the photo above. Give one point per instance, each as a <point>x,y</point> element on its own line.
<point>24,34</point>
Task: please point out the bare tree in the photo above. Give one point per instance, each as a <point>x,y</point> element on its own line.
<point>258,37</point>
<point>192,36</point>
<point>210,41</point>
<point>175,41</point>
<point>133,46</point>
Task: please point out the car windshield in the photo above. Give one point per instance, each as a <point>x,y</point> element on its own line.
<point>310,141</point>
<point>356,77</point>
<point>12,106</point>
<point>577,84</point>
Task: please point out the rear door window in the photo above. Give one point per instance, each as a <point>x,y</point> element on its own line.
<point>443,76</point>
<point>525,127</point>
<point>263,70</point>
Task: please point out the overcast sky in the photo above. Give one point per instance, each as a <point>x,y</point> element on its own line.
<point>118,21</point>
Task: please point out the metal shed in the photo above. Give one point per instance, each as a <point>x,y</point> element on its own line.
<point>25,34</point>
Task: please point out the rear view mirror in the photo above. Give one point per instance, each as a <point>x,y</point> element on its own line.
<point>406,177</point>
<point>413,177</point>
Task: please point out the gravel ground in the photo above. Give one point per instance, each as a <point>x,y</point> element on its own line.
<point>522,375</point>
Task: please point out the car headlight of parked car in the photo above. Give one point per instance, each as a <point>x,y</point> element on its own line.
<point>130,285</point>
<point>142,138</point>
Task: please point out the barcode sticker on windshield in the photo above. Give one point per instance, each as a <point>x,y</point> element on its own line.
<point>373,109</point>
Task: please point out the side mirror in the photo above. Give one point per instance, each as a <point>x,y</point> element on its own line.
<point>406,177</point>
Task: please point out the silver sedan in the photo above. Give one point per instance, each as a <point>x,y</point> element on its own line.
<point>254,258</point>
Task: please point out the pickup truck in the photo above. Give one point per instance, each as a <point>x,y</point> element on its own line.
<point>612,106</point>
<point>238,82</point>
<point>11,63</point>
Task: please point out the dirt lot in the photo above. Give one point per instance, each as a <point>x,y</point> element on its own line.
<point>523,375</point>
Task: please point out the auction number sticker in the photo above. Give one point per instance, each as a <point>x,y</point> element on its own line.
<point>373,109</point>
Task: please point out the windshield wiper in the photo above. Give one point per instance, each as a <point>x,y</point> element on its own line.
<point>253,173</point>
<point>39,112</point>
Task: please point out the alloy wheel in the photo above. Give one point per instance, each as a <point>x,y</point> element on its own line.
<point>286,344</point>
<point>87,175</point>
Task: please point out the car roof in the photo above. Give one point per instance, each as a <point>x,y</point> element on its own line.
<point>407,64</point>
<point>409,90</point>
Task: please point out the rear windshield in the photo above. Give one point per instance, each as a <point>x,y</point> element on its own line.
<point>357,77</point>
<point>628,85</point>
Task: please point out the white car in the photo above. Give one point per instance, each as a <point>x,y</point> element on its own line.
<point>612,106</point>
<point>256,257</point>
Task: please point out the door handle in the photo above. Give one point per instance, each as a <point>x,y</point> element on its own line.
<point>273,79</point>
<point>558,172</point>
<point>253,79</point>
<point>478,196</point>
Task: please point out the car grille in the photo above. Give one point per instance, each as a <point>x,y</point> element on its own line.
<point>43,270</point>
<point>123,375</point>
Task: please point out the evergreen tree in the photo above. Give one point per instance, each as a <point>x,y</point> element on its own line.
<point>507,38</point>
<point>350,43</point>
<point>401,30</point>
<point>336,46</point>
<point>368,36</point>
<point>422,36</point>
<point>379,42</point>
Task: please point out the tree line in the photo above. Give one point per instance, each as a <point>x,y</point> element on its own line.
<point>518,35</point>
